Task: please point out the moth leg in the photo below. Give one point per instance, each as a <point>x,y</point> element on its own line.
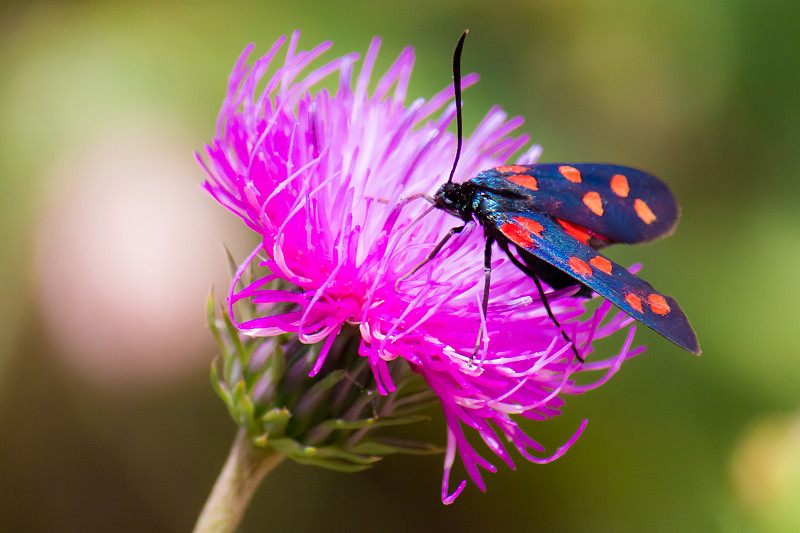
<point>487,273</point>
<point>543,296</point>
<point>404,200</point>
<point>427,197</point>
<point>487,279</point>
<point>453,231</point>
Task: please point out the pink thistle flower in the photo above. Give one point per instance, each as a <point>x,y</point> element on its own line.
<point>323,179</point>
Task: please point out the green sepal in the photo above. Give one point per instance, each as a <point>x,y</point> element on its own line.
<point>337,466</point>
<point>335,452</point>
<point>331,457</point>
<point>211,319</point>
<point>219,386</point>
<point>292,449</point>
<point>328,420</point>
<point>240,354</point>
<point>371,422</point>
<point>389,446</point>
<point>243,406</point>
<point>274,422</point>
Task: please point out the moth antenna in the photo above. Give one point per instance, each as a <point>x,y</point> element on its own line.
<point>457,90</point>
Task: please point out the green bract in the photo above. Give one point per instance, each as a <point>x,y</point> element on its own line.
<point>328,420</point>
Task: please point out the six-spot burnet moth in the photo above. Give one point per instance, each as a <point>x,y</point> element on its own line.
<point>556,216</point>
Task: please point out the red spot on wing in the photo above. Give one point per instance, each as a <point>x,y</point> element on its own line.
<point>517,235</point>
<point>529,182</point>
<point>516,169</point>
<point>619,184</point>
<point>571,173</point>
<point>634,301</point>
<point>601,263</point>
<point>530,225</point>
<point>643,210</point>
<point>579,267</point>
<point>593,201</point>
<point>658,304</point>
<point>579,232</point>
<point>584,235</point>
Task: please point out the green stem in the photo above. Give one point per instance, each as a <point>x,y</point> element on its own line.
<point>240,477</point>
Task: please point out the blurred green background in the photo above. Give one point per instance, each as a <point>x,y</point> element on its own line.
<point>109,247</point>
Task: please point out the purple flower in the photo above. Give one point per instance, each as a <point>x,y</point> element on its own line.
<point>324,179</point>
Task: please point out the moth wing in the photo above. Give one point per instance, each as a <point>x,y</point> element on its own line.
<point>620,204</point>
<point>541,236</point>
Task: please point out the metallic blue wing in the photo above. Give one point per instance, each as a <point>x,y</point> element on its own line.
<point>620,204</point>
<point>540,235</point>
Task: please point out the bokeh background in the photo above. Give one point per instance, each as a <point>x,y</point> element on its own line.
<point>107,419</point>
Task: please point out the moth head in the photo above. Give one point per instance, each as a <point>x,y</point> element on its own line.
<point>456,199</point>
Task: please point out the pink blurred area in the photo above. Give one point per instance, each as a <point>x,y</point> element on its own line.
<point>128,248</point>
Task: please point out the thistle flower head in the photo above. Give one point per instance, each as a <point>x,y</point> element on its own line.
<point>324,178</point>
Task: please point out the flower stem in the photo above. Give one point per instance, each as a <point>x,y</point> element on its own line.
<point>240,477</point>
